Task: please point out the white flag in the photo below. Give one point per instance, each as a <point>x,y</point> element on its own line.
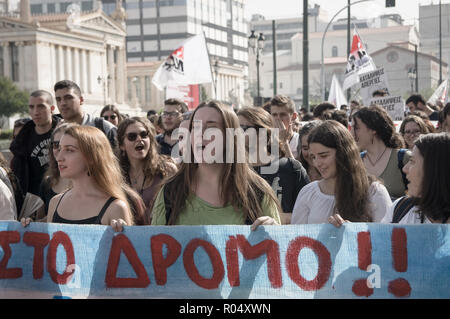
<point>441,94</point>
<point>188,64</point>
<point>359,62</point>
<point>336,96</point>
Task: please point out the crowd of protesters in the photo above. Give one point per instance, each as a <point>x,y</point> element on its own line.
<point>280,166</point>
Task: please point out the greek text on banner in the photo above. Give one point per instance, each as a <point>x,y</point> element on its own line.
<point>357,260</point>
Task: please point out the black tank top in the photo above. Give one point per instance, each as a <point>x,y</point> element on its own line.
<point>96,220</point>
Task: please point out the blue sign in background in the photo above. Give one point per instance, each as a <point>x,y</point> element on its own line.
<point>418,257</point>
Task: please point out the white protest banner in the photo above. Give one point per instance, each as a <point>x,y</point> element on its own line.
<point>359,62</point>
<point>394,105</point>
<point>189,94</point>
<point>441,94</point>
<point>371,82</point>
<point>336,96</point>
<point>188,64</point>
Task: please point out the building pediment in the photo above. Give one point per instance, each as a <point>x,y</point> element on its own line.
<point>98,21</point>
<point>7,24</point>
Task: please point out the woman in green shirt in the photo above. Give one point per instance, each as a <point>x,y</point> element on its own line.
<point>215,185</point>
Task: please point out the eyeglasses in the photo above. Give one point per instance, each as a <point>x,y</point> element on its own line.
<point>170,114</point>
<point>55,145</point>
<point>246,127</point>
<point>413,132</point>
<point>133,136</point>
<point>112,117</point>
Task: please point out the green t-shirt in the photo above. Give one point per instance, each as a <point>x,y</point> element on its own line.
<point>199,212</point>
<point>392,176</point>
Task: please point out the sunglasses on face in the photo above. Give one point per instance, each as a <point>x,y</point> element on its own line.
<point>55,145</point>
<point>112,117</point>
<point>246,127</point>
<point>133,136</point>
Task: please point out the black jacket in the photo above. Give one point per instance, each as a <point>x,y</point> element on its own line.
<point>18,147</point>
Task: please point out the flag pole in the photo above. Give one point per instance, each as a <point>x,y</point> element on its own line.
<point>210,67</point>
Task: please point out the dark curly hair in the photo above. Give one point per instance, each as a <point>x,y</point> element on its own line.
<point>376,118</point>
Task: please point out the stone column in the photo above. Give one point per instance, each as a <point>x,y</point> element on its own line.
<point>68,64</point>
<point>6,59</point>
<point>76,66</point>
<point>60,75</point>
<point>21,64</point>
<point>121,76</point>
<point>83,72</point>
<point>112,74</point>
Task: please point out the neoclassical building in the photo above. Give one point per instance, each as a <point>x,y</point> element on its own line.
<point>85,47</point>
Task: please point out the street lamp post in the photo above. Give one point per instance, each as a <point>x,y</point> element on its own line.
<point>102,81</point>
<point>412,78</point>
<point>257,44</point>
<point>216,75</point>
<point>322,72</point>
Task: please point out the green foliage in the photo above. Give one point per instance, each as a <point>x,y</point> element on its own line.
<point>12,99</point>
<point>6,134</point>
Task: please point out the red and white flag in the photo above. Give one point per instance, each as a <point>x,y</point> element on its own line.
<point>188,64</point>
<point>359,62</point>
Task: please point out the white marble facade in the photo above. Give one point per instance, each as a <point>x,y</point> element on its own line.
<point>88,49</point>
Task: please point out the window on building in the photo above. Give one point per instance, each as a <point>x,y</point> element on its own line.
<point>334,51</point>
<point>63,6</point>
<point>36,8</point>
<point>15,62</point>
<point>51,8</point>
<point>138,88</point>
<point>281,85</point>
<point>89,5</point>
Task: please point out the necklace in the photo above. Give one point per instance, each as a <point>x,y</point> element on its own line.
<point>134,182</point>
<point>370,161</point>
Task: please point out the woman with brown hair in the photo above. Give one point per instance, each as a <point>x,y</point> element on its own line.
<point>8,192</point>
<point>52,183</point>
<point>111,114</point>
<point>411,128</point>
<point>142,165</point>
<point>97,194</point>
<point>290,176</point>
<point>382,148</point>
<point>304,157</point>
<point>345,187</point>
<point>207,190</point>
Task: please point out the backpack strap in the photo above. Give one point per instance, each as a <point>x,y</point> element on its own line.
<point>400,155</point>
<point>403,206</point>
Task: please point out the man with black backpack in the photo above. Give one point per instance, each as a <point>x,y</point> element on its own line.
<point>69,101</point>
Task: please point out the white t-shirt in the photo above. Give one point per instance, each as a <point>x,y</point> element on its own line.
<point>411,217</point>
<point>8,210</point>
<point>314,207</point>
<point>293,144</point>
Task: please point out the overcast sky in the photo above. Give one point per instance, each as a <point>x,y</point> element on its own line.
<point>408,9</point>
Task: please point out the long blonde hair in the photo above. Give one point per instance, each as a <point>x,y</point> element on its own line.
<point>241,186</point>
<point>101,162</point>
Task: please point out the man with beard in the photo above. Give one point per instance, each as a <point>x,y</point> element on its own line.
<point>171,119</point>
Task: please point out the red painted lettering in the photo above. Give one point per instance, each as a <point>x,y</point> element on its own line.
<point>191,268</point>
<point>160,264</point>
<point>38,241</point>
<point>231,252</point>
<point>399,287</point>
<point>270,249</point>
<point>122,243</point>
<point>292,265</point>
<point>60,238</point>
<point>6,238</point>
<point>360,287</point>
